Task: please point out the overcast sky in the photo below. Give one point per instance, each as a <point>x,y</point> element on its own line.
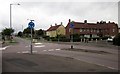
<point>46,13</point>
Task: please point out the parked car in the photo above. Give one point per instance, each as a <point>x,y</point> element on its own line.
<point>110,39</point>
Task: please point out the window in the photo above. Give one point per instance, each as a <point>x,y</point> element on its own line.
<point>87,29</point>
<point>113,30</point>
<point>69,29</point>
<point>97,31</point>
<point>80,30</point>
<point>91,30</point>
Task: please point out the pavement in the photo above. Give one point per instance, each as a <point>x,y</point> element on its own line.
<point>49,57</point>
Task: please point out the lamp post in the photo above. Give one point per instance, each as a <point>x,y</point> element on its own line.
<point>11,14</point>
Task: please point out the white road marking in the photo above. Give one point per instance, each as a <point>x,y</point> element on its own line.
<point>27,46</point>
<point>44,50</point>
<point>38,43</point>
<point>18,52</point>
<point>51,50</point>
<point>4,48</point>
<point>25,51</point>
<point>112,68</point>
<point>40,46</point>
<point>34,51</point>
<point>57,49</point>
<point>98,64</point>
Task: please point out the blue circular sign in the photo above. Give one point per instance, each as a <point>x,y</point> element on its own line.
<point>31,25</point>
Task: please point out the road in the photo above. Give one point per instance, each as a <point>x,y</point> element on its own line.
<point>0,56</point>
<point>57,58</point>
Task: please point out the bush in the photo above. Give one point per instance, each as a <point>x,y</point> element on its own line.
<point>116,40</point>
<point>46,38</point>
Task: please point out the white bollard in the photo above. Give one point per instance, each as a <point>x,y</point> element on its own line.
<point>96,40</point>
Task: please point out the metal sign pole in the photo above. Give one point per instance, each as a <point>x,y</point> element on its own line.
<point>31,41</point>
<point>72,39</point>
<point>72,31</point>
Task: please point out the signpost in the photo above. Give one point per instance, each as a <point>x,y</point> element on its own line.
<point>71,26</point>
<point>31,26</point>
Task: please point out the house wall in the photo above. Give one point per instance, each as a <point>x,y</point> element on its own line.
<point>119,30</point>
<point>61,30</point>
<point>106,29</point>
<point>51,33</point>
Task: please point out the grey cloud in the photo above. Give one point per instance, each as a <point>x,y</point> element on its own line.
<point>47,13</point>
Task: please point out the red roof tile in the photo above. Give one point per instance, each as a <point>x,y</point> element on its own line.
<point>52,28</point>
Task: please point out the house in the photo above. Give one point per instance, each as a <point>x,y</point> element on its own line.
<point>119,30</point>
<point>99,29</point>
<point>53,31</point>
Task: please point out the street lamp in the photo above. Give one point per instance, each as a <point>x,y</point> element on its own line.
<point>11,13</point>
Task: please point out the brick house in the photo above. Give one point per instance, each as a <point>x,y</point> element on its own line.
<point>99,29</point>
<point>53,31</point>
<point>119,30</point>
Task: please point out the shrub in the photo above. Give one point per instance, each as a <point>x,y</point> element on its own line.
<point>116,40</point>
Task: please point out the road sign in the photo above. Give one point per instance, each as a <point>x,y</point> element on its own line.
<point>31,25</point>
<point>71,25</point>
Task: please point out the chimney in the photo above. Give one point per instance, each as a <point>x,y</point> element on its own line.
<point>61,23</point>
<point>69,20</point>
<point>85,21</point>
<point>55,24</point>
<point>97,22</point>
<point>51,25</point>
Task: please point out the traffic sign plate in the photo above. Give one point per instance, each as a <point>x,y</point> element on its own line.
<point>31,25</point>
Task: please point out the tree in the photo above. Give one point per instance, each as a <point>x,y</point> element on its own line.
<point>40,32</point>
<point>7,31</point>
<point>27,31</point>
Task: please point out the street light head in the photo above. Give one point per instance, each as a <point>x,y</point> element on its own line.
<point>15,4</point>
<point>18,4</point>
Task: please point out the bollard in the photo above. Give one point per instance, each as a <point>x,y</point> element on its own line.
<point>96,40</point>
<point>71,46</point>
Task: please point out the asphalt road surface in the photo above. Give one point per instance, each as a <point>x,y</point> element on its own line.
<point>52,57</point>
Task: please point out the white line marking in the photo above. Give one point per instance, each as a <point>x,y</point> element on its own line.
<point>111,68</point>
<point>25,52</point>
<point>98,64</point>
<point>40,46</point>
<point>51,50</point>
<point>18,52</point>
<point>4,48</point>
<point>38,43</point>
<point>34,51</point>
<point>57,49</point>
<point>44,50</point>
<point>27,46</point>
